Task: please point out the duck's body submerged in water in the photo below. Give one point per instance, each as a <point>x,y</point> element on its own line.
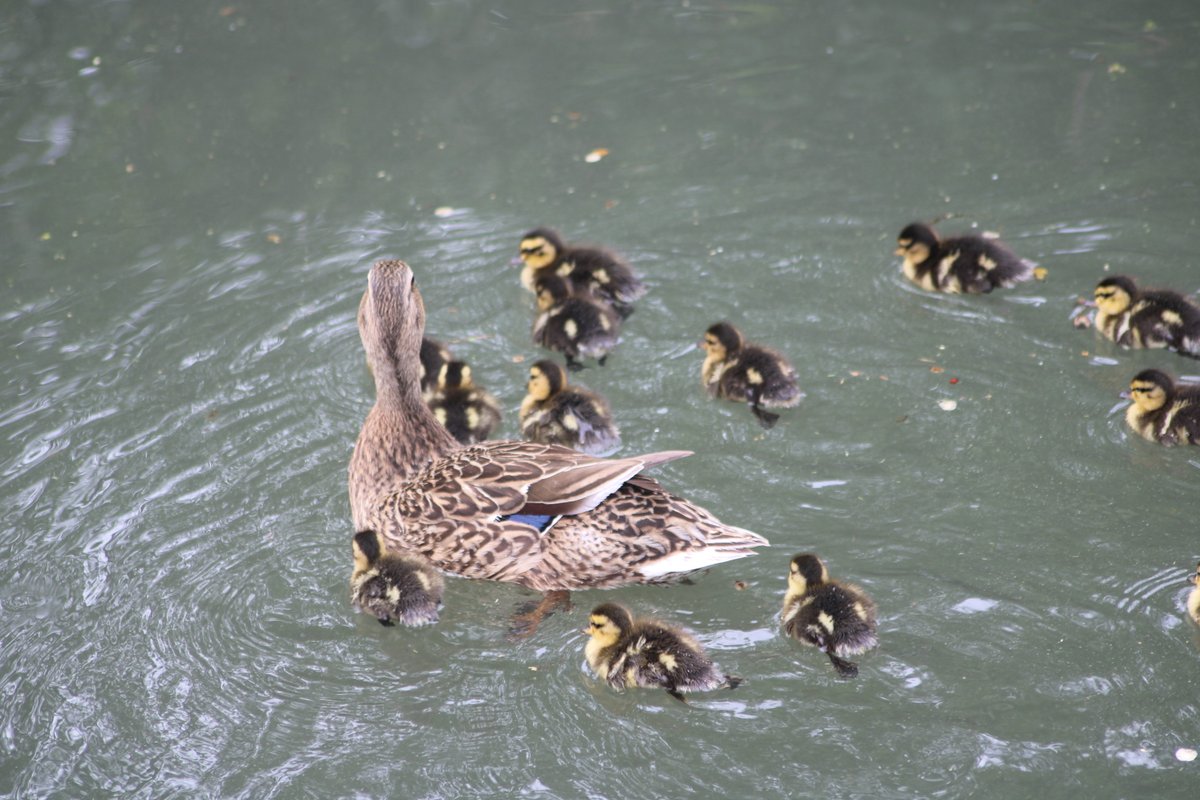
<point>542,516</point>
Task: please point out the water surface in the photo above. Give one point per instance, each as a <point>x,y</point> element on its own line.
<point>190,198</point>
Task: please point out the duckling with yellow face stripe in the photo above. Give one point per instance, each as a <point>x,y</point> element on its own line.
<point>467,411</point>
<point>555,413</point>
<point>835,617</point>
<point>1163,410</point>
<point>1155,318</point>
<point>576,325</point>
<point>627,653</point>
<point>960,265</point>
<point>391,587</point>
<point>587,270</point>
<point>1193,601</point>
<point>747,373</point>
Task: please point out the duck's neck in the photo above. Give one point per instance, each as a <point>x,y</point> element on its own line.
<point>399,437</point>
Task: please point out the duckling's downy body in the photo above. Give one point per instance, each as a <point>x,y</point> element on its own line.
<point>1163,410</point>
<point>967,264</point>
<point>576,325</point>
<point>434,356</point>
<point>543,516</point>
<point>587,270</point>
<point>467,411</point>
<point>837,618</point>
<point>392,587</point>
<point>745,372</point>
<point>1193,601</point>
<point>1155,318</point>
<point>628,653</point>
<point>555,413</point>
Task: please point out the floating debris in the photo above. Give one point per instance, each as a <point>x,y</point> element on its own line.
<point>596,155</point>
<point>948,405</point>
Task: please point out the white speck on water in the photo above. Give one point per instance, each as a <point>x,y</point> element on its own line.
<point>975,605</point>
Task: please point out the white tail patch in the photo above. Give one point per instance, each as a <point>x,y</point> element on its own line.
<point>686,561</point>
<point>570,328</point>
<point>825,621</point>
<point>754,376</point>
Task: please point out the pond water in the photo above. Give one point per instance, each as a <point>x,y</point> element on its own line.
<point>191,195</point>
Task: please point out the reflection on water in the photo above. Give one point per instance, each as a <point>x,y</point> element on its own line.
<point>191,198</point>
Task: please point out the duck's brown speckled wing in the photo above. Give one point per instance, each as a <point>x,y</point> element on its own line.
<point>454,510</point>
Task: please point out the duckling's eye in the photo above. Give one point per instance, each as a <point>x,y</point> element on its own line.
<point>1104,295</point>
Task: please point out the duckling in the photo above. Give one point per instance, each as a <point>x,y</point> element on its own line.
<point>434,355</point>
<point>969,264</point>
<point>626,652</point>
<point>467,411</point>
<point>391,587</point>
<point>1156,318</point>
<point>1193,601</point>
<point>554,413</point>
<point>1163,410</point>
<point>837,618</point>
<point>747,373</point>
<point>576,325</point>
<point>587,269</point>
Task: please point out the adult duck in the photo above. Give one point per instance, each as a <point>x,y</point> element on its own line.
<point>539,515</point>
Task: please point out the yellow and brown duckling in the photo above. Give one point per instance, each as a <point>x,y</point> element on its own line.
<point>969,264</point>
<point>467,411</point>
<point>576,325</point>
<point>588,270</point>
<point>747,373</point>
<point>835,617</point>
<point>1164,410</point>
<point>1155,318</point>
<point>555,413</point>
<point>1193,601</point>
<point>627,652</point>
<point>392,587</point>
<point>434,356</point>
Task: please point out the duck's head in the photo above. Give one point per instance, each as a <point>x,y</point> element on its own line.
<point>546,379</point>
<point>551,290</point>
<point>916,242</point>
<point>607,622</point>
<point>540,247</point>
<point>806,571</point>
<point>1150,389</point>
<point>391,320</point>
<point>454,375</point>
<point>1115,294</point>
<point>721,341</point>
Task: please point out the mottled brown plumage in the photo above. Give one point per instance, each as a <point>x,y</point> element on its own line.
<point>584,521</point>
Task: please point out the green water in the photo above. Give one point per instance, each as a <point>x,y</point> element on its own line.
<point>191,195</point>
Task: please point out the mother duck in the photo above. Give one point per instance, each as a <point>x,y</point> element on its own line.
<point>539,515</point>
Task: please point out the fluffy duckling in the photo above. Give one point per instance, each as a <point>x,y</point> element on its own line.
<point>969,264</point>
<point>626,652</point>
<point>1162,409</point>
<point>1193,601</point>
<point>837,618</point>
<point>391,587</point>
<point>587,269</point>
<point>466,410</point>
<point>1154,318</point>
<point>747,373</point>
<point>555,413</point>
<point>576,325</point>
<point>434,355</point>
